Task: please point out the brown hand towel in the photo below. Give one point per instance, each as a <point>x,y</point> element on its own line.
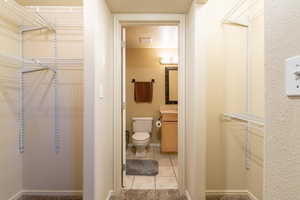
<point>143,92</point>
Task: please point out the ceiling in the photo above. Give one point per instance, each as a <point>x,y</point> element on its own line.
<point>161,36</point>
<point>149,6</point>
<point>124,6</point>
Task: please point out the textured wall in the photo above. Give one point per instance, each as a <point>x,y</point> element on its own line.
<point>10,158</point>
<point>282,113</point>
<point>143,65</point>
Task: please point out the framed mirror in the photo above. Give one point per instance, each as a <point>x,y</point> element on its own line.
<point>171,85</point>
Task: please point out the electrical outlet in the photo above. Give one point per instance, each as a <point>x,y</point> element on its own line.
<point>292,76</point>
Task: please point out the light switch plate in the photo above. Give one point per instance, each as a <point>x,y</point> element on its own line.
<point>101,91</point>
<point>292,76</point>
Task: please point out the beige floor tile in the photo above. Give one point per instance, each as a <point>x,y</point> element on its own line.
<point>163,155</point>
<point>144,182</point>
<point>174,161</point>
<point>129,182</point>
<point>130,154</point>
<point>164,162</point>
<point>166,172</point>
<point>176,171</point>
<point>166,183</point>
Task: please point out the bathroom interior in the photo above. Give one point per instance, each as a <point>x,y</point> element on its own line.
<point>151,107</point>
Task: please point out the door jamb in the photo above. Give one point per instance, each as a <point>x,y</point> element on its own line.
<point>119,20</point>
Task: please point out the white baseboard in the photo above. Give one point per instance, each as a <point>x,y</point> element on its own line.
<point>151,145</point>
<point>187,195</point>
<point>109,195</point>
<point>16,196</point>
<point>226,192</point>
<point>53,192</point>
<point>231,192</point>
<point>251,196</point>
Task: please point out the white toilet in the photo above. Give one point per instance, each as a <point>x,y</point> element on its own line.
<point>142,127</point>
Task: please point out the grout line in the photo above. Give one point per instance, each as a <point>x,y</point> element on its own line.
<point>132,182</point>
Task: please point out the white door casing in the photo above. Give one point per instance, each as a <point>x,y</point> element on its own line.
<point>142,19</point>
<point>123,104</point>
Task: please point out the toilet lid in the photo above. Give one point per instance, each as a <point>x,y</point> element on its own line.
<point>141,136</point>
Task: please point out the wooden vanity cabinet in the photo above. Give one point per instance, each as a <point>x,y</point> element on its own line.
<point>169,133</point>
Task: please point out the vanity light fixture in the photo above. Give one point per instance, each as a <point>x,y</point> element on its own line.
<point>169,60</point>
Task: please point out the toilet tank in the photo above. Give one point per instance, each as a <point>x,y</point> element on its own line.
<point>142,124</point>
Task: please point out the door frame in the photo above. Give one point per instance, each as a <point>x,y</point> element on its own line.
<point>155,19</point>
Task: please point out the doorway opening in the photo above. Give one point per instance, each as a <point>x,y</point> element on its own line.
<point>150,91</point>
<point>150,111</point>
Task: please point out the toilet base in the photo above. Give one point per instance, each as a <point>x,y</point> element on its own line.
<point>140,151</point>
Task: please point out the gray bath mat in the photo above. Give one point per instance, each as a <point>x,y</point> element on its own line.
<point>142,167</point>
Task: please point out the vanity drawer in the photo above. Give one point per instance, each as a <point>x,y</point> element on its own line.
<point>170,117</point>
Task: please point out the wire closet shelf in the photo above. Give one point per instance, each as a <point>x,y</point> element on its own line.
<point>29,19</point>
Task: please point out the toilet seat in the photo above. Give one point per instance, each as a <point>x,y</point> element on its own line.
<point>140,136</point>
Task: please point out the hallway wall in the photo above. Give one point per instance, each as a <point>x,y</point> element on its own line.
<point>10,158</point>
<point>196,104</point>
<point>98,124</point>
<point>282,113</point>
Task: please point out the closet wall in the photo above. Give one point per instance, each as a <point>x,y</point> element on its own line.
<point>227,86</point>
<point>43,167</point>
<point>10,159</point>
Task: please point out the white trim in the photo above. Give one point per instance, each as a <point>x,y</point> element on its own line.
<point>53,192</point>
<point>252,196</point>
<point>164,19</point>
<point>226,192</point>
<point>232,192</point>
<point>187,195</point>
<point>110,194</point>
<point>17,196</point>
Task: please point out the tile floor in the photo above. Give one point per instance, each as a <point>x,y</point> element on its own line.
<point>168,172</point>
<point>149,195</point>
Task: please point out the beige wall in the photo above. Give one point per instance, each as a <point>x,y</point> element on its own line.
<point>98,124</point>
<point>225,62</point>
<point>10,158</point>
<point>63,170</point>
<point>143,64</point>
<point>282,113</point>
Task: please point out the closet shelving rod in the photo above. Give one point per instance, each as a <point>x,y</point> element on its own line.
<point>59,61</point>
<point>55,9</point>
<point>18,60</point>
<point>244,117</point>
<point>33,70</point>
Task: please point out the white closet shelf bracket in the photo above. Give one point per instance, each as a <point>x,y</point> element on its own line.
<point>244,117</point>
<point>241,11</point>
